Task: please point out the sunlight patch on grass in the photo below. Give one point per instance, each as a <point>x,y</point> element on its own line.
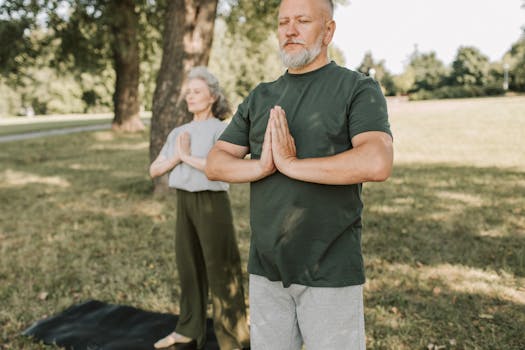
<point>457,278</point>
<point>475,281</point>
<point>88,166</point>
<point>464,198</point>
<point>146,208</point>
<point>388,317</point>
<point>104,136</point>
<point>401,204</point>
<point>387,209</point>
<point>397,180</point>
<point>149,208</point>
<point>404,201</point>
<point>17,178</point>
<point>492,233</point>
<point>438,183</point>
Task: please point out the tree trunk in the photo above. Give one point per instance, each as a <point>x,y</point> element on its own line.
<point>127,60</point>
<point>188,35</point>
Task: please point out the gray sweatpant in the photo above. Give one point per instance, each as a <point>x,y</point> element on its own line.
<point>321,318</point>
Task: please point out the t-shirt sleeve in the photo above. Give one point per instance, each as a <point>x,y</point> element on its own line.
<point>219,131</point>
<point>238,131</point>
<point>368,110</point>
<point>169,146</point>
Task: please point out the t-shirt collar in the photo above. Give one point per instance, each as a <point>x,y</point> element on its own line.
<point>291,76</point>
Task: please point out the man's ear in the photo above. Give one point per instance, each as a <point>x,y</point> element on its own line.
<point>329,32</point>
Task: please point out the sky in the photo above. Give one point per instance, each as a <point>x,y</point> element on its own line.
<point>391,29</point>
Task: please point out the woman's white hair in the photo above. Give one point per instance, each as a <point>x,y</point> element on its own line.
<point>221,107</point>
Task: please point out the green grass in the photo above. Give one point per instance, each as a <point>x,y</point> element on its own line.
<point>444,238</point>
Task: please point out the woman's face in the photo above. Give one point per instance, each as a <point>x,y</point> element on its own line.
<point>198,96</point>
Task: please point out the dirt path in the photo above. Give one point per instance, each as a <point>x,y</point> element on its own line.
<point>62,131</point>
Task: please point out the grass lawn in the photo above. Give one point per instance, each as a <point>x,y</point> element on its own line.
<point>444,238</point>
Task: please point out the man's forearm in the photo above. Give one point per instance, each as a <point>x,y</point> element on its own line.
<point>196,162</point>
<point>371,162</point>
<point>222,166</point>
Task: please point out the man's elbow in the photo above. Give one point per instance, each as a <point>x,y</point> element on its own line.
<point>210,169</point>
<point>381,174</point>
<point>382,169</point>
<point>210,172</point>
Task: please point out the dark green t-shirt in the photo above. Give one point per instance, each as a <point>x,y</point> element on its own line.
<point>308,233</point>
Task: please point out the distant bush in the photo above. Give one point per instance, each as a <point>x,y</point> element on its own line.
<point>10,102</point>
<point>457,92</point>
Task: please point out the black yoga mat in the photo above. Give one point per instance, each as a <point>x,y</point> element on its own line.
<point>94,325</point>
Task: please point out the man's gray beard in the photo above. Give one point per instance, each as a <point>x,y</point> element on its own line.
<point>300,59</point>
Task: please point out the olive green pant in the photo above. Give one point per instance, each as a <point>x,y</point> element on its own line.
<point>208,257</point>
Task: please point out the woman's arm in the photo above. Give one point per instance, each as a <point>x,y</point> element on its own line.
<point>162,165</point>
<point>184,146</point>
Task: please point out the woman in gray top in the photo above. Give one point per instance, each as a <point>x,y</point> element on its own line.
<point>206,249</point>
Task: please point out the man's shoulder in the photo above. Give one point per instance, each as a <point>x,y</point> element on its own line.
<point>268,85</point>
<point>345,73</point>
<point>356,80</point>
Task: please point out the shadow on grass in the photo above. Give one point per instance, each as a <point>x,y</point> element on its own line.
<point>445,248</point>
<point>437,214</point>
<point>413,317</point>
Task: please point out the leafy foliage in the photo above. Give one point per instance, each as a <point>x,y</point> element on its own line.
<point>370,67</point>
<point>48,87</point>
<point>240,64</point>
<point>470,67</point>
<point>16,45</point>
<point>429,71</point>
<point>75,39</point>
<point>55,48</point>
<point>516,64</point>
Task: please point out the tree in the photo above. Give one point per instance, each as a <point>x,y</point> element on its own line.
<point>377,69</point>
<point>470,67</point>
<point>404,82</point>
<point>428,71</point>
<point>96,32</point>
<point>92,34</point>
<point>17,46</point>
<point>127,62</point>
<point>367,64</point>
<point>515,59</point>
<point>239,64</point>
<point>187,40</point>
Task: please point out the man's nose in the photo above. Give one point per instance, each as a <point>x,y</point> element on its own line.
<point>291,29</point>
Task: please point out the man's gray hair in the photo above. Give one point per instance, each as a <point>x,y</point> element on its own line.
<point>331,6</point>
<point>221,107</point>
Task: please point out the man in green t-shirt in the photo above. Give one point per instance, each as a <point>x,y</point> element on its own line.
<point>314,135</point>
